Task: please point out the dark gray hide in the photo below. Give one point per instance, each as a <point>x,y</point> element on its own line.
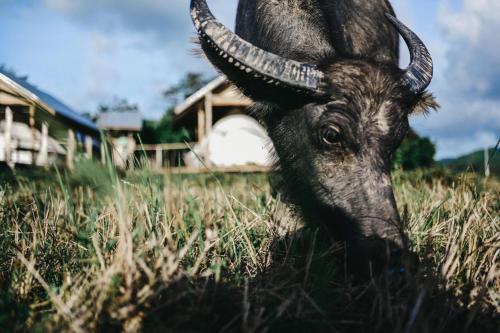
<point>326,83</point>
<point>317,30</point>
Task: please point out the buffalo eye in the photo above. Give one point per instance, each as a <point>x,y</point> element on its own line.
<point>329,135</point>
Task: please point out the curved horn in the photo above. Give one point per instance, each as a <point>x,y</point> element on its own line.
<point>229,52</point>
<point>418,75</point>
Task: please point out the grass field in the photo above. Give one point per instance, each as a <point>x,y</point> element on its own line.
<point>94,252</point>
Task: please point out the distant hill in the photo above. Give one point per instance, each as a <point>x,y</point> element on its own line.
<point>474,162</point>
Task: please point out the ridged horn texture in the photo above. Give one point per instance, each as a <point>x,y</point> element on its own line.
<point>252,61</point>
<point>418,75</point>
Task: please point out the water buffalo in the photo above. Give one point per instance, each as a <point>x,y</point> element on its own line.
<point>325,79</point>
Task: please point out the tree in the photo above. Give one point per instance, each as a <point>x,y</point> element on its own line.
<point>118,105</point>
<point>12,72</point>
<point>415,152</point>
<point>187,86</point>
<point>163,131</point>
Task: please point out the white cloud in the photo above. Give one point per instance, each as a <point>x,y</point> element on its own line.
<point>472,21</point>
<point>457,146</point>
<point>472,31</point>
<point>461,125</point>
<point>103,43</point>
<point>62,5</point>
<point>165,19</point>
<point>138,47</point>
<point>468,87</point>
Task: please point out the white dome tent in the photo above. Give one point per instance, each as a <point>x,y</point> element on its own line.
<point>235,140</point>
<point>225,138</point>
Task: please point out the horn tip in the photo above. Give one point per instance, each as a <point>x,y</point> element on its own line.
<point>391,18</point>
<point>200,12</point>
<point>419,74</point>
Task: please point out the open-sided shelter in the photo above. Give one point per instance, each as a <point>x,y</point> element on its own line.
<point>122,127</point>
<point>38,129</point>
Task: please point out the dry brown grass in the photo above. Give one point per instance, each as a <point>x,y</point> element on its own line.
<point>198,254</point>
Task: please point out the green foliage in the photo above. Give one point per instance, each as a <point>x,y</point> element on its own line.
<point>474,162</point>
<point>163,131</point>
<point>11,71</point>
<point>187,86</point>
<point>118,105</point>
<point>91,174</point>
<point>415,152</point>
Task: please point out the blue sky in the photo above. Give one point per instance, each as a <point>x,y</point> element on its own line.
<point>89,51</point>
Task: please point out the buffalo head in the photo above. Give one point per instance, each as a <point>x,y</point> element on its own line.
<point>335,126</point>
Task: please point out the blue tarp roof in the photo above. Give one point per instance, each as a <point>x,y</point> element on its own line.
<point>59,107</point>
<point>124,120</point>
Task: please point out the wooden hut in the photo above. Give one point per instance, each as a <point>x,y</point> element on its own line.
<point>204,108</point>
<point>226,137</point>
<point>38,129</point>
<point>121,128</point>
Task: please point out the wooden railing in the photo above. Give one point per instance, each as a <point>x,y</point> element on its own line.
<point>165,158</point>
<point>161,156</point>
<point>168,158</point>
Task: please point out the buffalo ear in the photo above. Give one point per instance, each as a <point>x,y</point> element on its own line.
<point>425,103</point>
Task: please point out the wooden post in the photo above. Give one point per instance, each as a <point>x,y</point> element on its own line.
<point>208,124</point>
<point>208,113</point>
<point>70,149</point>
<point>487,172</point>
<point>33,132</point>
<point>103,153</point>
<point>159,157</point>
<point>130,150</point>
<point>43,154</point>
<point>89,146</point>
<point>115,156</point>
<point>201,124</point>
<point>201,129</point>
<point>9,118</point>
